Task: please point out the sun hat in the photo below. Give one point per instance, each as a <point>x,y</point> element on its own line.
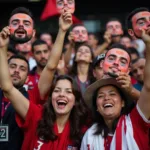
<point>91,89</point>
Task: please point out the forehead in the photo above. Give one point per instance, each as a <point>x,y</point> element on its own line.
<point>112,23</point>
<point>91,36</point>
<point>21,16</point>
<point>79,28</point>
<point>45,35</point>
<point>64,0</point>
<point>118,52</point>
<point>125,39</point>
<point>18,62</point>
<point>139,15</point>
<point>64,83</point>
<point>107,88</point>
<point>84,47</point>
<point>41,47</point>
<point>139,62</point>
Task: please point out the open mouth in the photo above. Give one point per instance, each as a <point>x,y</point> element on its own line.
<point>61,103</point>
<point>20,32</point>
<point>107,105</point>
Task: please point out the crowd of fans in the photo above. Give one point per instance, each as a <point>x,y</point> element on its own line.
<point>80,94</point>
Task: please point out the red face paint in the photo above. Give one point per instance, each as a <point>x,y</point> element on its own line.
<point>65,5</point>
<point>140,21</point>
<point>116,60</point>
<point>114,27</point>
<point>80,34</point>
<point>21,26</point>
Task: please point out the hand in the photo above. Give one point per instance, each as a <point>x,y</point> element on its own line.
<point>107,37</point>
<point>65,21</point>
<point>125,81</point>
<point>145,36</point>
<point>4,37</point>
<point>71,38</point>
<point>61,64</point>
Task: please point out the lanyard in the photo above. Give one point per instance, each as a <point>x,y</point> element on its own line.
<point>3,110</point>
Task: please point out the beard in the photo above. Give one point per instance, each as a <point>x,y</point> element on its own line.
<point>41,64</point>
<point>18,39</point>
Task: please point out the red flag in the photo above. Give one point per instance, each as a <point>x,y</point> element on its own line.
<point>50,10</point>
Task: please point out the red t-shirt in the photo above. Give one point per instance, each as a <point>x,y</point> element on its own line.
<point>34,95</point>
<point>29,126</point>
<point>141,129</point>
<point>31,81</point>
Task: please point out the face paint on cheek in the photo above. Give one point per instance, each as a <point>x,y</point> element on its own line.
<point>29,31</point>
<point>71,8</point>
<point>65,6</point>
<point>86,38</point>
<point>135,25</point>
<point>106,66</point>
<point>124,69</point>
<point>119,32</point>
<point>12,30</point>
<point>59,8</point>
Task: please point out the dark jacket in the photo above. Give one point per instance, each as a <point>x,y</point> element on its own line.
<point>15,133</point>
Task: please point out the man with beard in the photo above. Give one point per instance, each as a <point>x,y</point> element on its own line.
<point>18,73</point>
<point>137,70</point>
<point>114,28</point>
<point>21,30</point>
<point>41,54</point>
<point>21,25</point>
<point>117,64</point>
<point>18,68</point>
<point>137,20</point>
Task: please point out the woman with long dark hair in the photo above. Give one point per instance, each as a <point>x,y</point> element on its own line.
<point>118,124</point>
<point>61,122</point>
<point>81,70</point>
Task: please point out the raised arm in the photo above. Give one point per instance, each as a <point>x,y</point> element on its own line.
<point>101,48</point>
<point>68,52</point>
<point>19,102</point>
<point>144,101</point>
<point>44,84</point>
<point>125,81</point>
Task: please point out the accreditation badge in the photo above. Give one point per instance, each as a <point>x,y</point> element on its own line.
<point>4,133</point>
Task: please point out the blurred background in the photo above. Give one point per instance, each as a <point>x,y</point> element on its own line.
<point>93,13</point>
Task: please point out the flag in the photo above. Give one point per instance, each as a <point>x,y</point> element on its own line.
<point>50,10</point>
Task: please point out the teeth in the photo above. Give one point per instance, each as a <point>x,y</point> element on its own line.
<point>61,102</point>
<point>108,105</point>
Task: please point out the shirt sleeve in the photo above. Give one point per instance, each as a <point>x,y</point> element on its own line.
<point>33,116</point>
<point>34,95</point>
<point>141,115</point>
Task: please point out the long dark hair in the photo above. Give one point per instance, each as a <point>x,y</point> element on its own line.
<point>73,71</point>
<point>78,116</point>
<point>102,128</point>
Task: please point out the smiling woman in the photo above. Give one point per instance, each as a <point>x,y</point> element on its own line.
<point>62,121</point>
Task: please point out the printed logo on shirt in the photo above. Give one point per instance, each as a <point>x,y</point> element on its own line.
<point>71,148</point>
<point>38,145</point>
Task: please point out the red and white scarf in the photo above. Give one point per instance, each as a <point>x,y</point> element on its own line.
<point>122,140</point>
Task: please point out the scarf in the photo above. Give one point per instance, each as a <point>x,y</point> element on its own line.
<point>122,140</point>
